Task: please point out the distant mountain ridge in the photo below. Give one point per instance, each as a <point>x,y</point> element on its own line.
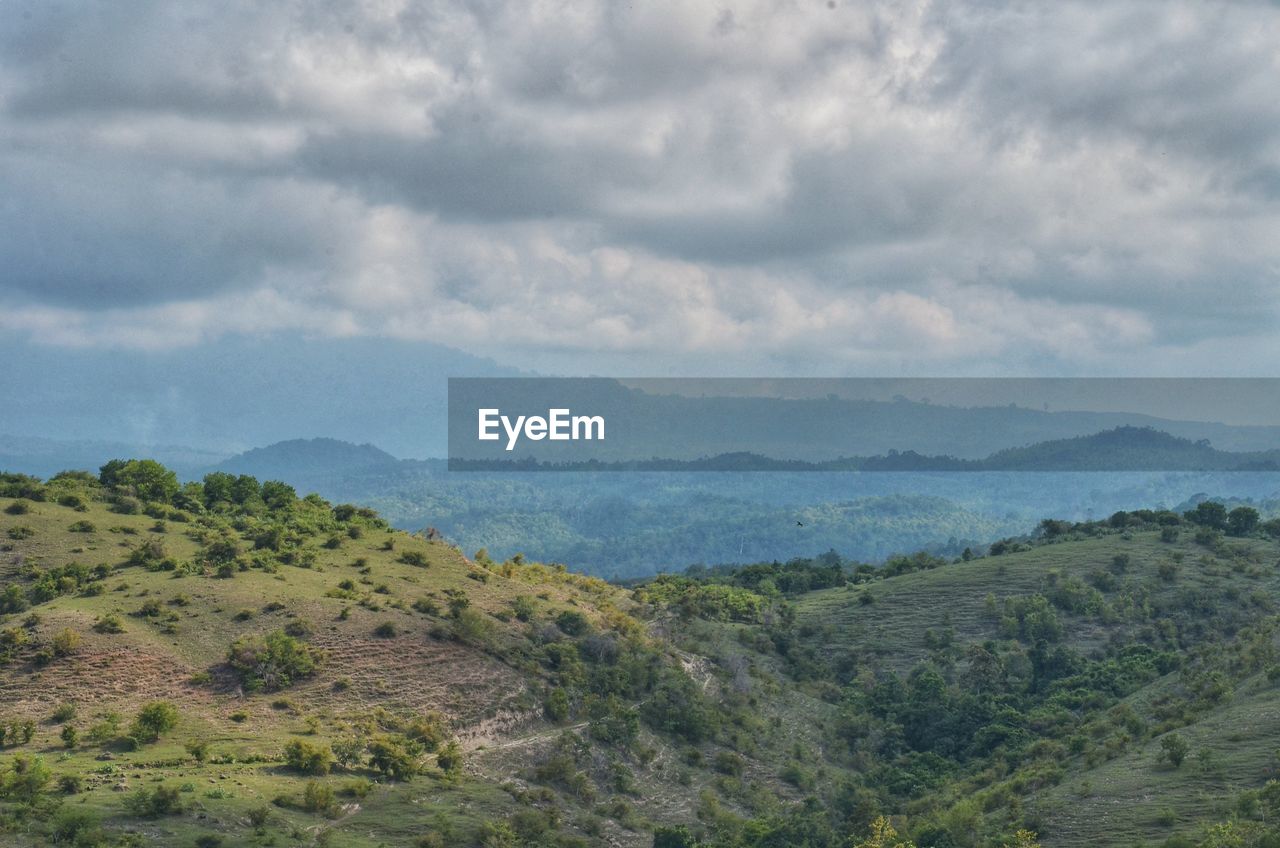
<point>1124,448</point>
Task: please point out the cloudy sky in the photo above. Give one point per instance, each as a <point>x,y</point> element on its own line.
<point>688,187</point>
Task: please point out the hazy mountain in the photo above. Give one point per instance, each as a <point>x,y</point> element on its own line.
<point>642,425</point>
<point>238,392</point>
<point>44,457</point>
<point>306,459</point>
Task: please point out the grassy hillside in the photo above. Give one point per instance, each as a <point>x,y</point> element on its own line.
<point>111,606</point>
<point>225,663</point>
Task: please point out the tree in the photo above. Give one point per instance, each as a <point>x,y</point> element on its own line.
<point>154,720</point>
<point>145,478</point>
<point>1174,748</point>
<point>1208,514</point>
<point>217,488</point>
<point>278,495</point>
<point>1242,521</point>
<point>883,835</point>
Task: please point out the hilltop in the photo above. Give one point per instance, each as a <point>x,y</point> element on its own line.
<point>306,459</point>
<point>226,663</point>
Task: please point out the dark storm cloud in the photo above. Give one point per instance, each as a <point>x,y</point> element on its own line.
<point>1073,181</point>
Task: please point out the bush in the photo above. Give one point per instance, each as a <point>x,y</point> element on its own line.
<point>390,756</point>
<point>24,778</point>
<point>272,662</point>
<point>572,622</point>
<point>19,507</point>
<point>1174,748</point>
<point>70,736</point>
<point>154,803</point>
<point>306,758</point>
<point>154,720</point>
<point>66,642</point>
<point>259,816</point>
<point>557,705</point>
<point>523,607</point>
<point>109,623</point>
<point>678,707</point>
<point>318,798</point>
<point>470,626</point>
<point>449,759</point>
<point>71,826</point>
<point>385,630</point>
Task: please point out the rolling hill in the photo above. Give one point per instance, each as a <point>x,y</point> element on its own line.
<point>225,663</point>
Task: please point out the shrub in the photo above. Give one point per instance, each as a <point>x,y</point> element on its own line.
<point>66,642</point>
<point>385,630</point>
<point>154,803</point>
<point>317,798</point>
<point>109,623</point>
<point>470,626</point>
<point>70,736</point>
<point>70,784</point>
<point>299,628</point>
<point>729,763</point>
<point>272,662</point>
<point>572,622</point>
<point>1174,748</point>
<point>19,507</point>
<point>557,705</point>
<point>678,706</point>
<point>24,778</point>
<point>259,816</point>
<point>20,533</point>
<point>523,607</point>
<point>63,713</point>
<point>154,720</point>
<point>449,759</point>
<point>306,758</point>
<point>390,756</point>
<point>71,826</point>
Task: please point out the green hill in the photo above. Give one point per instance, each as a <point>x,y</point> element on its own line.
<point>224,663</point>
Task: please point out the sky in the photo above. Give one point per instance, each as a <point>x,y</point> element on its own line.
<point>693,188</point>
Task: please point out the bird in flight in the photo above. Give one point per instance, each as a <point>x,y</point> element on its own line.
<point>799,523</point>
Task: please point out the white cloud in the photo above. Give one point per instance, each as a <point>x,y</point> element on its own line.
<point>751,185</point>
